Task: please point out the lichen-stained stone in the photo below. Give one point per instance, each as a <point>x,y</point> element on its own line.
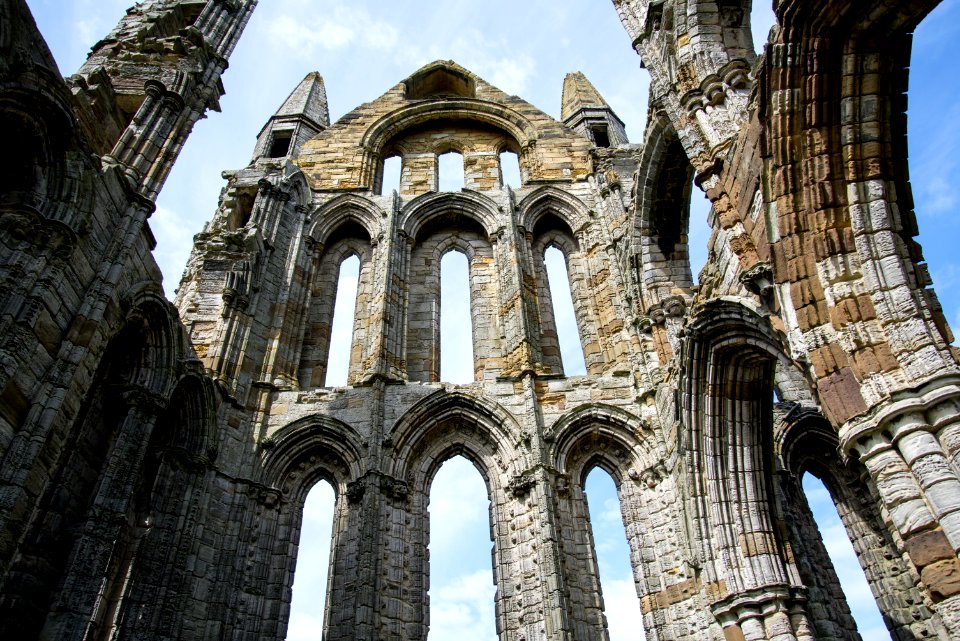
<point>156,456</point>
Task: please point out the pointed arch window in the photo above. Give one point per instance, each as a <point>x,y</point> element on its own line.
<point>450,171</point>
<point>310,580</point>
<point>462,590</point>
<point>456,333</point>
<point>564,316</point>
<point>611,554</point>
<point>344,313</point>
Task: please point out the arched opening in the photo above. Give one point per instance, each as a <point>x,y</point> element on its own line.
<point>456,333</point>
<point>510,169</point>
<point>341,331</point>
<point>461,587</point>
<point>565,320</point>
<point>835,538</point>
<point>390,176</point>
<point>310,580</point>
<point>621,607</point>
<point>450,173</point>
<point>698,232</point>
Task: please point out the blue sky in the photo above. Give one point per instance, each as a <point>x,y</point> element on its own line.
<point>525,48</point>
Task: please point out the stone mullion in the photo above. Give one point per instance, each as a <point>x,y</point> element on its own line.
<point>579,273</point>
<point>423,315</point>
<point>512,269</point>
<point>401,300</point>
<point>600,295</point>
<point>363,362</point>
<point>389,271</point>
<point>583,601</point>
<point>547,351</point>
<point>484,315</point>
<point>385,268</point>
<point>88,577</point>
<point>287,308</point>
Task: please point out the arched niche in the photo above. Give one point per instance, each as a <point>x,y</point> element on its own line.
<point>439,427</point>
<point>293,460</point>
<point>662,216</point>
<point>435,225</point>
<point>737,503</point>
<point>808,444</point>
<point>83,523</point>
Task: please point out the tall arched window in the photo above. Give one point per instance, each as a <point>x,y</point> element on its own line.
<point>309,592</point>
<point>620,604</point>
<point>510,169</point>
<point>341,331</point>
<point>450,174</point>
<point>456,334</point>
<point>390,176</point>
<point>461,578</point>
<point>565,320</point>
<point>863,605</point>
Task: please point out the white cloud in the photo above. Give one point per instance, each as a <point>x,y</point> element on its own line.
<point>463,610</point>
<point>305,30</point>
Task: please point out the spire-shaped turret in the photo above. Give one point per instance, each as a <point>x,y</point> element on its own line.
<point>302,116</point>
<point>585,111</point>
<point>147,83</point>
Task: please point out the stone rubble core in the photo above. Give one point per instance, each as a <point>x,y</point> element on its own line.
<point>156,456</point>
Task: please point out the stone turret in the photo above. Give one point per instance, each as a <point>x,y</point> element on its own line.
<point>585,111</point>
<point>302,116</point>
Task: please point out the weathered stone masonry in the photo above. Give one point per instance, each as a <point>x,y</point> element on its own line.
<point>156,456</point>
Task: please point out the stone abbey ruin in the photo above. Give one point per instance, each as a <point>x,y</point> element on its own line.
<point>156,455</point>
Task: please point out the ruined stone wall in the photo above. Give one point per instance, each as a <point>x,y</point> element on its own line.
<point>155,460</point>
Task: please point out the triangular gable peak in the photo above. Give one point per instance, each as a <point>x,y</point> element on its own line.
<point>443,107</point>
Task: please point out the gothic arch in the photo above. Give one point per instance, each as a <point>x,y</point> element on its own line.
<point>347,235</point>
<point>493,433</point>
<point>662,223</point>
<point>425,208</point>
<point>807,443</point>
<point>294,459</point>
<point>548,199</point>
<point>308,450</point>
<point>632,453</point>
<point>434,224</point>
<point>331,215</point>
<point>634,444</point>
<point>443,425</point>
<point>417,114</point>
<point>738,508</point>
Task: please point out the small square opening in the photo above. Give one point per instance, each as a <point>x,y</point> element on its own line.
<point>600,137</point>
<point>280,145</point>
